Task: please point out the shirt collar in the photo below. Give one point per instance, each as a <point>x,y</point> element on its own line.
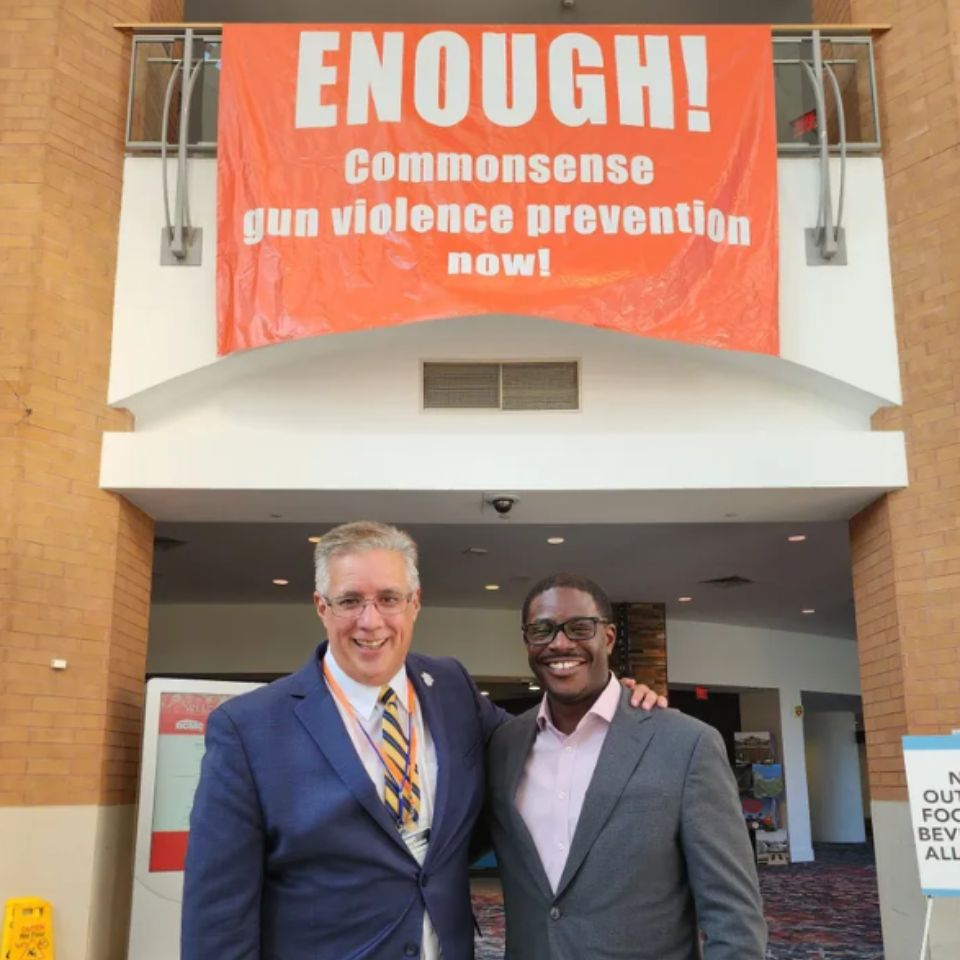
<point>362,697</point>
<point>604,707</point>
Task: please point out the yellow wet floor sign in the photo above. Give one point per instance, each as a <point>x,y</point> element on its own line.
<point>27,930</point>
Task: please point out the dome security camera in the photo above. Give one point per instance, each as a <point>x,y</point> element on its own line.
<point>503,503</point>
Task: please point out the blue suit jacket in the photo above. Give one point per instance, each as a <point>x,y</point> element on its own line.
<point>292,853</point>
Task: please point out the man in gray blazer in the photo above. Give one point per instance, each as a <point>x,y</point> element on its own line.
<point>618,832</point>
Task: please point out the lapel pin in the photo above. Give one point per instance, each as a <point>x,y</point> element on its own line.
<point>426,678</point>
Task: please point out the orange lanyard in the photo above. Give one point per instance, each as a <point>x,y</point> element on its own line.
<point>389,766</point>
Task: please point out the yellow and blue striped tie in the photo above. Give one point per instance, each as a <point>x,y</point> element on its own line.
<point>396,753</point>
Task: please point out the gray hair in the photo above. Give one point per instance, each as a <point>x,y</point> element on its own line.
<point>360,536</point>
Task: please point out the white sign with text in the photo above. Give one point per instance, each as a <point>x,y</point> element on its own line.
<point>933,780</point>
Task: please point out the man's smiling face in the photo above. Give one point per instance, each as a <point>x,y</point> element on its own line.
<point>369,645</point>
<point>570,670</point>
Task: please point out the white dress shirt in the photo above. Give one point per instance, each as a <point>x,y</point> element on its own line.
<point>556,776</point>
<point>369,713</point>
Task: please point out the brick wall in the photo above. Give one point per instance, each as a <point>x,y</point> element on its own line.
<point>74,561</point>
<point>831,11</point>
<point>642,651</point>
<point>878,641</point>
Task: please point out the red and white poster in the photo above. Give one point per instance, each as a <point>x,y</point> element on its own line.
<point>621,177</point>
<point>180,746</point>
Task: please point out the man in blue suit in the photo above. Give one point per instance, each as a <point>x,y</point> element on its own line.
<point>335,807</point>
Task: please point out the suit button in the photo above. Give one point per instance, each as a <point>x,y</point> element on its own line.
<point>411,950</point>
<point>554,913</point>
<point>423,880</point>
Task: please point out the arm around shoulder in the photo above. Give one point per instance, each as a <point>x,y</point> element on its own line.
<point>224,869</point>
<point>720,864</point>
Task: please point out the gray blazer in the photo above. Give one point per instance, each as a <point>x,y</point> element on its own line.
<point>660,848</point>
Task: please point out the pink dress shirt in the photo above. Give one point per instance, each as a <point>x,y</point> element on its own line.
<point>556,776</point>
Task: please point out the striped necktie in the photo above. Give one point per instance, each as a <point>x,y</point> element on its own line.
<point>401,785</point>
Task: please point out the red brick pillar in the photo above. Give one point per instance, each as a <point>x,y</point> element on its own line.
<point>75,562</point>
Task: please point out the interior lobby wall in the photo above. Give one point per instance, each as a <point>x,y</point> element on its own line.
<point>227,638</point>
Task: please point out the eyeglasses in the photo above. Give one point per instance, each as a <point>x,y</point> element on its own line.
<point>351,607</point>
<point>540,633</point>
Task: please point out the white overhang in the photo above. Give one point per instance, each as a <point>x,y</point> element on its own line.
<point>444,478</point>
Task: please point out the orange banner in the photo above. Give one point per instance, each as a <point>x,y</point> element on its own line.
<point>615,176</point>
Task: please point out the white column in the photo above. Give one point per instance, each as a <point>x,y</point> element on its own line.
<point>795,776</point>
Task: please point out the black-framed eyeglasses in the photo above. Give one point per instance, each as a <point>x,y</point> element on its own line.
<point>351,607</point>
<point>540,633</point>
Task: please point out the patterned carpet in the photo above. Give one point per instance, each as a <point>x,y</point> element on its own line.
<point>826,910</point>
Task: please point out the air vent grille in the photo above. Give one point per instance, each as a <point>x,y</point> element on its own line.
<point>167,543</point>
<point>501,386</point>
<point>461,386</point>
<point>728,583</point>
<point>540,386</point>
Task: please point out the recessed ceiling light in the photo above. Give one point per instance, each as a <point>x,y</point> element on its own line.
<point>484,693</point>
<point>797,538</point>
<point>281,583</point>
<point>534,687</point>
<point>555,540</point>
<point>314,539</point>
<point>808,610</point>
<point>684,599</point>
<point>491,586</point>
